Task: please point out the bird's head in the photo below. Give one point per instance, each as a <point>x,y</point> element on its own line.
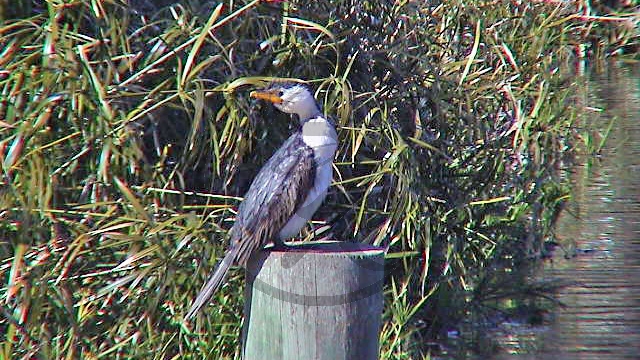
<point>291,98</point>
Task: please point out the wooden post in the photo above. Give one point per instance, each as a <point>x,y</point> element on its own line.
<point>317,301</point>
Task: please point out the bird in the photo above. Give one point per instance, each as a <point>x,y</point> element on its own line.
<point>288,189</point>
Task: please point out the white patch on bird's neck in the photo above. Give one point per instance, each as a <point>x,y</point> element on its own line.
<point>306,108</point>
<point>319,134</point>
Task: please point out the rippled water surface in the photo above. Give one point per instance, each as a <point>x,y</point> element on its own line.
<point>598,260</point>
<point>602,318</point>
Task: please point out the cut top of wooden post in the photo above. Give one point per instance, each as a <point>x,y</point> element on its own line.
<point>330,248</point>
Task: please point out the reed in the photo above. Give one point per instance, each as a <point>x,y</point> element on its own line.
<point>127,138</point>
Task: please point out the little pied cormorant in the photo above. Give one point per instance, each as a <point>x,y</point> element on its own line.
<point>288,189</point>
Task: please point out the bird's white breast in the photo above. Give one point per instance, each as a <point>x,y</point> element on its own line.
<point>320,135</point>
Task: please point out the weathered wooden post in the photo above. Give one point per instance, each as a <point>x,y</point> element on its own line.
<point>315,301</point>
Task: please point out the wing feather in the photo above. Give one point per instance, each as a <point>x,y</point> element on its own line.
<point>274,196</point>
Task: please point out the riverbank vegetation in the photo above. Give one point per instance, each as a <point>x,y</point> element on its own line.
<point>127,139</point>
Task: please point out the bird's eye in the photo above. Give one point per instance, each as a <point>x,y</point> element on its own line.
<point>280,93</point>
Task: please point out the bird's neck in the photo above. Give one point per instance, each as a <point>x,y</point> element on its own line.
<point>308,111</point>
<point>319,134</point>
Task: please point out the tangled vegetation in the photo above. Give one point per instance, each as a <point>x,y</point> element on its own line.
<point>127,138</point>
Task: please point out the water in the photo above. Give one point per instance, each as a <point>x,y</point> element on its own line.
<point>598,260</point>
<point>601,233</point>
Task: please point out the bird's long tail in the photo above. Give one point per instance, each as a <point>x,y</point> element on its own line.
<point>212,284</point>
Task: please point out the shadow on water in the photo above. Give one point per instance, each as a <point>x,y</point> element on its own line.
<point>597,262</point>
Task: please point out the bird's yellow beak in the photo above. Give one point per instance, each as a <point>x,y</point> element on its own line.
<point>268,95</point>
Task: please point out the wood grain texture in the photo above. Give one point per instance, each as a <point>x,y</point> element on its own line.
<point>314,301</point>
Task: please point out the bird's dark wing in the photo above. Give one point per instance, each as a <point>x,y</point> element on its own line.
<point>275,194</point>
